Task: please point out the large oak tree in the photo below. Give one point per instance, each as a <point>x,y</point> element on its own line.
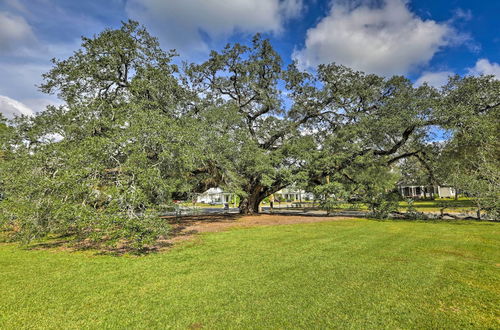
<point>135,131</point>
<point>287,125</point>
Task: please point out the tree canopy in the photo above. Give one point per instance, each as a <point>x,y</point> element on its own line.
<point>136,131</point>
<point>470,158</point>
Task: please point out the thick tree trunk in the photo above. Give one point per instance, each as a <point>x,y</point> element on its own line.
<point>255,194</point>
<point>250,204</point>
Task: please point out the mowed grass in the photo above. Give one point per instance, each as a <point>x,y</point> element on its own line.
<point>449,205</point>
<point>343,274</point>
<point>461,205</point>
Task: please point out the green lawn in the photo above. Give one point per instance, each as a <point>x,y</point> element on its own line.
<point>345,274</point>
<point>452,205</point>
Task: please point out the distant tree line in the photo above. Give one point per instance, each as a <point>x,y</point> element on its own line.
<point>136,131</point>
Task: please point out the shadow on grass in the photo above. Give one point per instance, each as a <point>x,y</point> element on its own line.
<point>96,248</point>
<point>180,231</point>
<point>177,231</point>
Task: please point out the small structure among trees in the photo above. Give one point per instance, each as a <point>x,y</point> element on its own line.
<point>293,194</point>
<point>215,196</point>
<point>426,191</point>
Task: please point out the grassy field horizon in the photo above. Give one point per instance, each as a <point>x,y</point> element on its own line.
<point>345,274</point>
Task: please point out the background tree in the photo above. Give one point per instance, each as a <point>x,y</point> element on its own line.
<point>6,132</point>
<point>470,159</point>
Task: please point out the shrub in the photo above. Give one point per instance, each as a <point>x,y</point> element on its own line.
<point>382,205</point>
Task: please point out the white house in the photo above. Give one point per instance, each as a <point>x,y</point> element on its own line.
<point>219,196</point>
<point>293,194</point>
<point>419,192</point>
<point>215,196</point>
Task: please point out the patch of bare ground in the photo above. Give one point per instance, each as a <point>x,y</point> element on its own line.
<point>184,228</point>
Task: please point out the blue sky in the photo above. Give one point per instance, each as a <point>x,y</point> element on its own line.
<point>425,40</point>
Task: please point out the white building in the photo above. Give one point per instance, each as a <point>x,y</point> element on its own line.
<point>215,196</point>
<point>293,194</point>
<point>219,196</point>
<point>419,192</point>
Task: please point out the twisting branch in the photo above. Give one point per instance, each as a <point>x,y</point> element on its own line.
<point>406,135</point>
<point>402,156</point>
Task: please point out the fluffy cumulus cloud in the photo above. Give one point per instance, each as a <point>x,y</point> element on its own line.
<point>188,25</point>
<point>484,66</point>
<point>377,37</point>
<point>14,32</point>
<point>11,108</point>
<point>435,79</point>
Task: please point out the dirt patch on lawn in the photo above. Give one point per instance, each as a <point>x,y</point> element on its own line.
<point>184,228</point>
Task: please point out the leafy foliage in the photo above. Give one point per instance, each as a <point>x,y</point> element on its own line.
<point>470,159</point>
<point>114,153</point>
<point>260,148</point>
<point>135,131</point>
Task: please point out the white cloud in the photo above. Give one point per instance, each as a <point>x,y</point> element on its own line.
<point>11,108</point>
<point>186,25</point>
<point>435,79</point>
<point>14,32</point>
<point>484,66</point>
<point>386,39</point>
